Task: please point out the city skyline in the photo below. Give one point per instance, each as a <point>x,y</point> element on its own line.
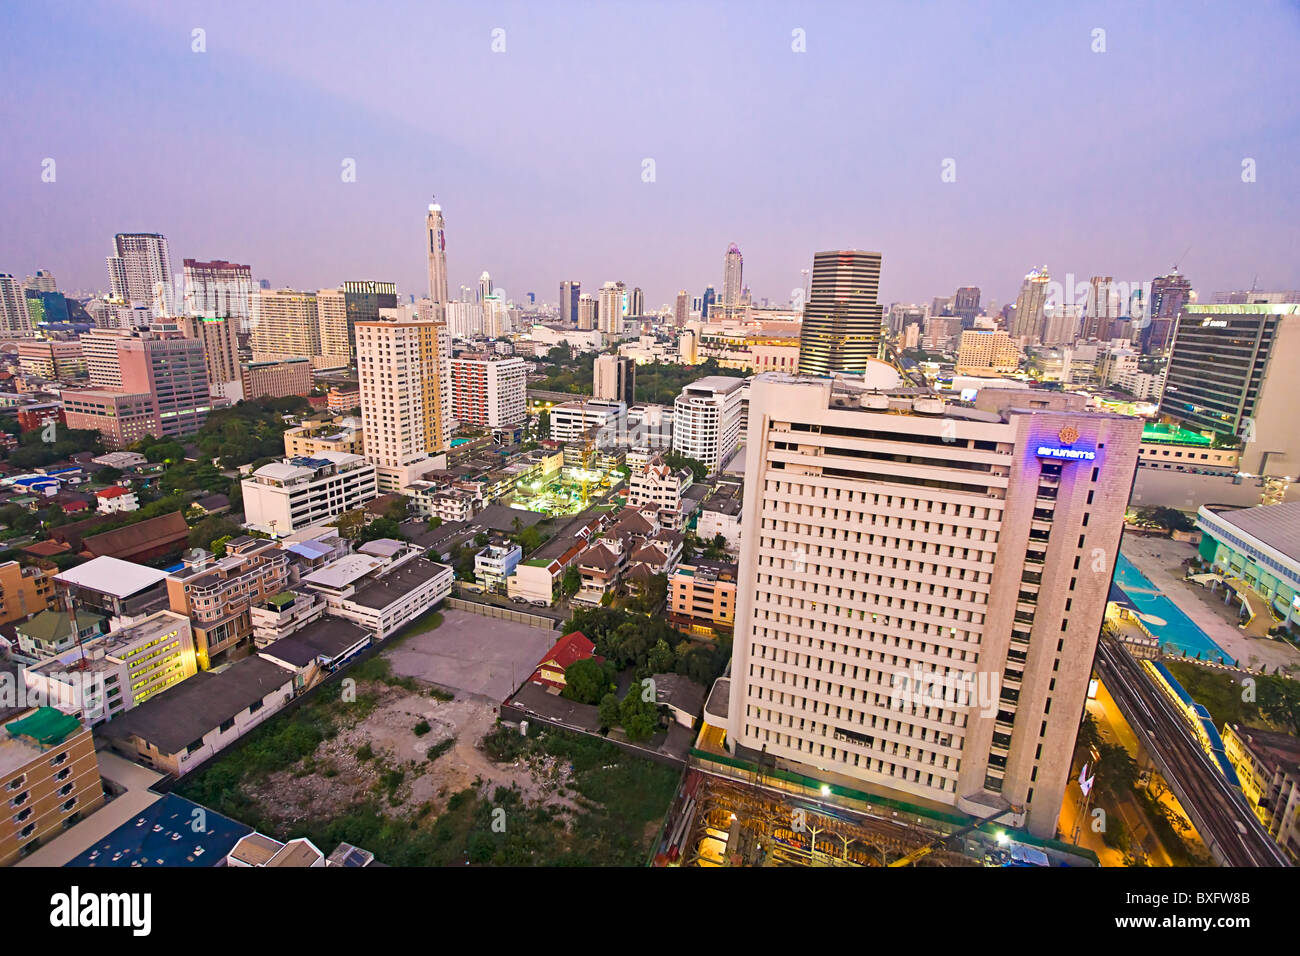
<point>275,188</point>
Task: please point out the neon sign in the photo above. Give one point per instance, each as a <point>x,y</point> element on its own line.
<point>1068,454</point>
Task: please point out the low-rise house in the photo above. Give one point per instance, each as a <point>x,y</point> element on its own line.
<point>495,563</point>
<point>682,696</point>
<point>549,672</point>
<point>657,485</point>
<point>176,731</point>
<point>116,499</point>
<point>258,850</point>
<point>50,633</point>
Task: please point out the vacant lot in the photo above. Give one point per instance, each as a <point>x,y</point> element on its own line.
<point>425,778</point>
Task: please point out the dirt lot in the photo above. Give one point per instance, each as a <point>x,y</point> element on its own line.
<point>335,778</point>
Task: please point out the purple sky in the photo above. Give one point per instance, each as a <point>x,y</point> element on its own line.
<point>1110,163</point>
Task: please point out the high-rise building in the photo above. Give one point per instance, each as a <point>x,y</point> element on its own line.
<point>966,304</point>
<point>336,345</point>
<point>42,282</point>
<point>14,316</point>
<point>706,302</point>
<point>484,286</point>
<point>682,309</point>
<point>220,350</point>
<point>1169,293</point>
<point>920,604</point>
<point>1102,310</point>
<point>985,351</point>
<point>464,320</point>
<point>636,302</point>
<point>218,289</point>
<point>99,348</point>
<point>288,325</point>
<point>173,370</point>
<point>435,229</point>
<point>401,366</point>
<point>363,301</point>
<point>612,303</point>
<point>614,377</point>
<point>733,267</point>
<point>488,390</point>
<point>570,292</point>
<point>706,420</point>
<point>588,312</point>
<point>140,266</point>
<point>1231,372</point>
<point>1029,307</point>
<point>842,322</point>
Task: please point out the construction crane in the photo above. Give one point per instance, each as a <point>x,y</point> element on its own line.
<point>941,842</point>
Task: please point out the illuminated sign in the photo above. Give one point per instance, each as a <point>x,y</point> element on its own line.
<point>1214,323</point>
<point>1069,454</point>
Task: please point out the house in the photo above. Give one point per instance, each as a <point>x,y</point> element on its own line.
<point>211,504</point>
<point>569,649</point>
<point>319,648</point>
<point>142,541</point>
<point>682,696</point>
<point>50,633</point>
<point>258,850</point>
<point>116,498</point>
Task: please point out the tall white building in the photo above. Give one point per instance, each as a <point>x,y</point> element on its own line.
<point>733,266</point>
<point>140,267</point>
<point>612,301</point>
<point>218,290</point>
<point>922,589</point>
<point>605,420</point>
<point>14,317</point>
<point>706,420</point>
<point>434,228</point>
<point>282,497</point>
<point>402,366</point>
<point>464,320</point>
<point>1029,307</point>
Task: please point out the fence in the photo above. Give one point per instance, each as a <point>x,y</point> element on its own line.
<point>504,613</point>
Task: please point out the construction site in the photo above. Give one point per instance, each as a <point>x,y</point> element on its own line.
<point>717,822</point>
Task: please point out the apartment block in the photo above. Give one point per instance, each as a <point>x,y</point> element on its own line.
<point>285,324</point>
<point>707,419</point>
<point>572,421</point>
<point>277,379</point>
<point>487,390</point>
<point>922,588</point>
<point>122,418</point>
<point>51,359</point>
<point>702,597</point>
<point>24,591</point>
<point>310,440</point>
<point>49,777</point>
<point>282,497</point>
<point>218,594</point>
<point>983,352</point>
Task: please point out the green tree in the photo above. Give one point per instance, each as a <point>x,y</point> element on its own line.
<point>639,716</point>
<point>588,680</point>
<point>609,710</point>
<point>661,659</point>
<point>571,581</point>
<point>1279,702</point>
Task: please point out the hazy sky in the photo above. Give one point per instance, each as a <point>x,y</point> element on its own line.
<point>1112,162</point>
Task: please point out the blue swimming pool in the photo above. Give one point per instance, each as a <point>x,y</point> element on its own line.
<point>1176,631</point>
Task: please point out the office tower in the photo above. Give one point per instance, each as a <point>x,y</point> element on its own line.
<point>278,378</point>
<point>611,307</point>
<point>733,267</point>
<point>484,286</point>
<point>287,324</point>
<point>434,227</point>
<point>636,302</point>
<point>966,304</point>
<point>570,292</point>
<point>487,390</point>
<point>986,352</point>
<point>141,262</point>
<point>1101,310</point>
<point>587,312</point>
<point>41,282</point>
<point>682,309</point>
<point>336,345</point>
<point>614,377</point>
<point>898,543</point>
<point>364,300</point>
<point>174,372</point>
<point>220,351</point>
<point>697,305</point>
<point>1231,372</point>
<point>706,302</point>
<point>842,323</point>
<point>400,367</point>
<point>942,305</point>
<point>1029,306</point>
<point>218,289</point>
<point>1169,293</point>
<point>1060,324</point>
<point>15,319</point>
<point>706,420</point>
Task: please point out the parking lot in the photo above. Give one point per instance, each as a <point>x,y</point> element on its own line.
<point>472,653</point>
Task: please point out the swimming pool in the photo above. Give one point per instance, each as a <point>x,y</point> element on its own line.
<point>1163,618</point>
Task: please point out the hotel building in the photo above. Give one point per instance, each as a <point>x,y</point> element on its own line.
<point>895,540</point>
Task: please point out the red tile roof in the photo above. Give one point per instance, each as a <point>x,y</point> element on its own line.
<point>567,650</point>
<point>115,491</point>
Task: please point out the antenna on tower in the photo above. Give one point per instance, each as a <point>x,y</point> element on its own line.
<point>1182,257</point>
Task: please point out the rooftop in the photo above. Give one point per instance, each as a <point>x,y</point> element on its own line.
<point>397,583</point>
<point>344,571</point>
<point>112,576</point>
<point>327,638</point>
<point>163,834</point>
<point>1277,526</point>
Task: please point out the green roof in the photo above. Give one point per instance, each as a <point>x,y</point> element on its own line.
<point>51,627</point>
<point>1173,435</point>
<point>46,726</point>
<point>281,599</point>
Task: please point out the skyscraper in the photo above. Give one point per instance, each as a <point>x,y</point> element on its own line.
<point>612,295</point>
<point>733,265</point>
<point>287,325</point>
<point>706,302</point>
<point>363,301</point>
<point>437,258</point>
<point>842,323</point>
<point>1029,306</point>
<point>220,352</point>
<point>682,309</point>
<point>636,302</point>
<point>1103,308</point>
<point>141,261</point>
<point>14,316</point>
<point>401,366</point>
<point>218,289</point>
<point>966,303</point>
<point>336,345</point>
<point>1169,293</point>
<point>484,286</point>
<point>587,312</point>
<point>570,292</point>
<point>921,605</point>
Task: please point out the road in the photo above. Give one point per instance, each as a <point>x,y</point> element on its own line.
<point>1216,809</point>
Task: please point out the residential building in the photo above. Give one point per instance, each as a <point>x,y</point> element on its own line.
<point>1027,326</point>
<point>588,309</point>
<point>706,420</point>
<point>283,614</point>
<point>24,591</point>
<point>983,352</point>
<point>340,435</point>
<point>404,389</point>
<point>615,378</point>
<point>50,632</point>
<point>286,324</point>
<point>99,349</point>
<point>115,499</point>
<point>893,541</point>
<point>121,418</point>
<point>733,264</point>
<point>1268,766</point>
<point>1231,373</point>
<point>282,497</point>
<point>122,591</point>
<point>602,418</point>
<point>217,594</point>
<point>702,597</point>
<point>495,563</point>
<point>487,390</point>
<point>658,486</point>
<point>140,271</point>
<point>219,290</point>
<point>51,359</point>
<point>50,776</point>
<point>570,292</point>
<point>568,650</point>
<point>344,398</point>
<point>220,352</point>
<point>15,318</point>
<point>842,321</point>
